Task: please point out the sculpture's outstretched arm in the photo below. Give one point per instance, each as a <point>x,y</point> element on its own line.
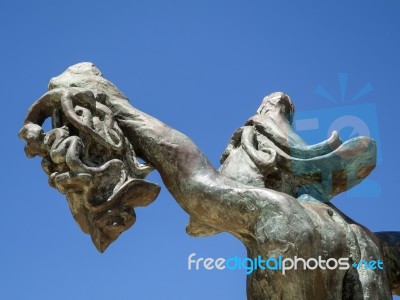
<point>83,106</point>
<point>205,194</point>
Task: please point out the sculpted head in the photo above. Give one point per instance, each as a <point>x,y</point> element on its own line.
<point>277,102</point>
<point>86,155</point>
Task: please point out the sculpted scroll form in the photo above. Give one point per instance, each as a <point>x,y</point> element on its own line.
<point>272,190</point>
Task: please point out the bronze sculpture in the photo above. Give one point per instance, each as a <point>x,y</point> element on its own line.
<point>272,191</point>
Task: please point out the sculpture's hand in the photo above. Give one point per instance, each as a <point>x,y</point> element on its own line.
<point>89,159</point>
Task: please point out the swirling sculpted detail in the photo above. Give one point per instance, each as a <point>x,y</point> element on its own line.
<point>274,156</point>
<point>88,159</point>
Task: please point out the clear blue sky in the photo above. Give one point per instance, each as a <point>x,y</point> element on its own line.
<point>203,67</point>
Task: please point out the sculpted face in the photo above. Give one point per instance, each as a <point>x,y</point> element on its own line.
<point>279,103</point>
<point>274,156</point>
<point>86,155</point>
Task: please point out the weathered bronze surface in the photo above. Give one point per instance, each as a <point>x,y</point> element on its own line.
<point>272,191</point>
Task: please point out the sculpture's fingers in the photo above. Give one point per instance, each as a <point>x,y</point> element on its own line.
<point>88,100</point>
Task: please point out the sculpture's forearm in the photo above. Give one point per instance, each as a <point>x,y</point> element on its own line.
<point>170,151</point>
<point>190,177</point>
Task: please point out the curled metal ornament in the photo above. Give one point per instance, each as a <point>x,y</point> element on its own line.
<point>88,159</point>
